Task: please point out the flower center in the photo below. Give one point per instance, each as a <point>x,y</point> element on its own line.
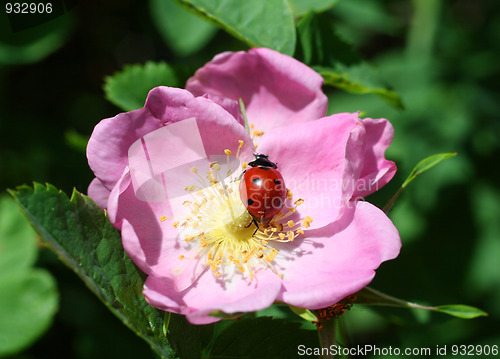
<point>220,231</point>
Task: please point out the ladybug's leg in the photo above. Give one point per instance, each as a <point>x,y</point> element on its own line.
<point>249,224</point>
<point>256,225</point>
<point>241,175</point>
<point>254,221</point>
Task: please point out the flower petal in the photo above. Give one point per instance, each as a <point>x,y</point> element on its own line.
<point>111,139</point>
<point>320,162</point>
<point>148,234</point>
<point>151,241</point>
<point>377,171</point>
<point>276,89</point>
<point>99,193</point>
<point>109,144</point>
<point>231,106</point>
<point>208,295</point>
<point>338,260</point>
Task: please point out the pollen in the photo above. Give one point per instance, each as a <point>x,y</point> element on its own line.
<point>217,230</point>
<point>298,202</point>
<point>306,222</point>
<point>333,311</point>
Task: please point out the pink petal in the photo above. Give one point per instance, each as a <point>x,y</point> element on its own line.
<point>320,162</point>
<point>276,89</point>
<point>231,106</point>
<point>338,260</point>
<point>109,144</point>
<point>208,295</point>
<point>377,171</point>
<point>152,244</point>
<point>98,193</point>
<point>147,228</point>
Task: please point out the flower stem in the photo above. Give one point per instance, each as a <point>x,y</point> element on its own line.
<point>327,338</point>
<point>388,206</point>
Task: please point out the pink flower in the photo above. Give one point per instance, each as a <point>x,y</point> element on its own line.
<point>189,232</point>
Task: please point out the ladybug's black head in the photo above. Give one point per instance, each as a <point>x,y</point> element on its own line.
<point>262,161</point>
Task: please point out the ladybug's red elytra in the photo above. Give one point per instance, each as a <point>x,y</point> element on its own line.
<point>262,189</point>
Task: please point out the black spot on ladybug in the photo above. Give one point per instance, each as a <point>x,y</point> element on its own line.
<point>250,202</point>
<point>257,181</point>
<point>278,182</point>
<point>277,203</point>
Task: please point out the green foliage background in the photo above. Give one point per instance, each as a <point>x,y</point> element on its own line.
<point>440,57</point>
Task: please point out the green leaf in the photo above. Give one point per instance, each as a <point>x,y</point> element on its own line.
<point>259,23</point>
<point>421,167</point>
<point>128,88</point>
<point>301,7</point>
<point>262,337</point>
<point>33,43</point>
<point>28,302</point>
<point>79,232</point>
<point>319,44</point>
<point>369,296</point>
<point>426,164</point>
<point>305,314</point>
<point>171,19</point>
<point>76,141</point>
<point>18,247</point>
<point>335,59</point>
<point>359,79</point>
<point>28,297</point>
<point>461,311</point>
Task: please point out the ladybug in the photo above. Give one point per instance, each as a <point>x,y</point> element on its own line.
<point>262,190</point>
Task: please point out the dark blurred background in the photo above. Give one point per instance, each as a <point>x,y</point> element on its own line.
<point>440,56</point>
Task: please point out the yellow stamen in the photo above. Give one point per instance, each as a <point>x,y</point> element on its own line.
<point>216,227</point>
<point>307,221</point>
<point>298,202</point>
